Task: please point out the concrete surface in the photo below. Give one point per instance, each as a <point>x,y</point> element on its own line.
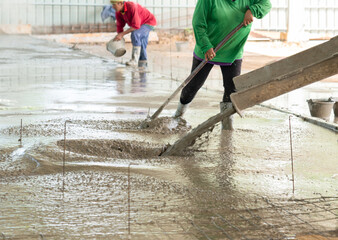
<point>164,58</point>
<point>229,185</point>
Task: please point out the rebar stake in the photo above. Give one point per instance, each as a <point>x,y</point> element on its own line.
<point>293,176</point>
<point>20,140</point>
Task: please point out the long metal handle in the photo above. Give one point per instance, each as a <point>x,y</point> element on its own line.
<point>193,73</point>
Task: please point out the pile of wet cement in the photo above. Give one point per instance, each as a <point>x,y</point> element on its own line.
<point>55,127</point>
<point>35,130</point>
<point>14,163</point>
<point>121,149</point>
<point>162,125</point>
<point>107,148</point>
<point>167,125</point>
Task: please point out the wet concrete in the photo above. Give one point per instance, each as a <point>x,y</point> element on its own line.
<point>229,185</point>
<point>165,59</point>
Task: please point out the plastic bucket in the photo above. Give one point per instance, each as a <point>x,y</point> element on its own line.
<point>116,48</point>
<point>320,108</point>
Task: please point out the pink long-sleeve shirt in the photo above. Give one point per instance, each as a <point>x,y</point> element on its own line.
<point>134,15</point>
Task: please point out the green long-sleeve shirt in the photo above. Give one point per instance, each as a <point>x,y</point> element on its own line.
<point>214,19</point>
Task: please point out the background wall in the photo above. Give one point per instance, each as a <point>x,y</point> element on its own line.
<point>318,18</point>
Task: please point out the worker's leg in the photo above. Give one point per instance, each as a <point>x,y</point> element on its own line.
<point>139,39</point>
<point>189,91</point>
<point>144,41</point>
<point>229,72</point>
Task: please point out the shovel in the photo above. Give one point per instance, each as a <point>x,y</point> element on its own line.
<point>145,123</point>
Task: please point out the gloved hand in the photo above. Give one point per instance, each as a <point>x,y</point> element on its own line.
<point>108,11</point>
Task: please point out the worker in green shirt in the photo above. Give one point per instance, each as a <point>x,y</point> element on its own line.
<point>212,21</point>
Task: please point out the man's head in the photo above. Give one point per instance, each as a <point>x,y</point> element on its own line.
<point>117,5</point>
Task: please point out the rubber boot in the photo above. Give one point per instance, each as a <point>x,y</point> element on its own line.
<point>135,56</point>
<point>226,123</point>
<point>143,64</point>
<point>181,109</point>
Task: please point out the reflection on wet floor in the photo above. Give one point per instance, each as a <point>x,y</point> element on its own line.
<point>229,185</point>
<point>37,88</point>
<point>39,80</point>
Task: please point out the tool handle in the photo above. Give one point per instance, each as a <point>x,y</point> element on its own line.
<point>193,73</point>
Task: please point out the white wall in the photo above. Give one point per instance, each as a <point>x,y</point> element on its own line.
<point>321,16</point>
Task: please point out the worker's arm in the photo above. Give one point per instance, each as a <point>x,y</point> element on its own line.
<point>260,8</point>
<point>120,23</point>
<point>120,35</point>
<point>200,25</point>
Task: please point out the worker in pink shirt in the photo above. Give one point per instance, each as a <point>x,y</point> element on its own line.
<point>140,22</point>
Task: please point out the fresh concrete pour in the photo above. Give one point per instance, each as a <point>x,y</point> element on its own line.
<point>228,185</point>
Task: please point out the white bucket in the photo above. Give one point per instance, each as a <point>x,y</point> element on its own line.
<point>321,108</point>
<point>116,48</point>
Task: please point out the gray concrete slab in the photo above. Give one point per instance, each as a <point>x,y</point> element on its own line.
<point>228,185</point>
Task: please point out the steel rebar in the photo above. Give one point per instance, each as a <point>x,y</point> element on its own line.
<point>163,230</point>
<point>326,210</point>
<point>293,176</point>
<point>220,228</point>
<point>20,140</point>
<point>200,230</point>
<point>292,214</point>
<point>258,217</point>
<point>234,227</point>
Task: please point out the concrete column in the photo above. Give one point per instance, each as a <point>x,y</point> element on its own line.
<point>296,21</point>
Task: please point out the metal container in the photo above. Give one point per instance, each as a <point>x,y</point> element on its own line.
<point>321,108</point>
<point>116,47</point>
<point>335,109</point>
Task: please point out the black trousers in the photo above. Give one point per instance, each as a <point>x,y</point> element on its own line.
<point>228,72</point>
